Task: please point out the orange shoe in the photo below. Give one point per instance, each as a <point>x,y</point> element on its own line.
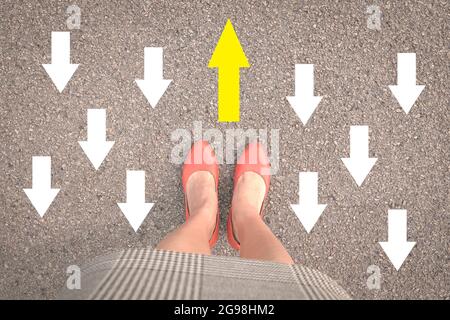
<point>201,157</point>
<point>254,158</point>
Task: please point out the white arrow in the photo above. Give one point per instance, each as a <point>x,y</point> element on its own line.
<point>41,193</point>
<point>96,147</point>
<point>153,85</point>
<point>135,209</point>
<point>304,102</point>
<point>397,248</point>
<point>406,91</point>
<point>359,164</point>
<point>60,70</point>
<point>308,210</point>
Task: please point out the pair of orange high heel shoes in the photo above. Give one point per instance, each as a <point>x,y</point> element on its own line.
<point>201,157</point>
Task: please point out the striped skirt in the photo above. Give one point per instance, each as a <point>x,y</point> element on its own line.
<point>158,274</point>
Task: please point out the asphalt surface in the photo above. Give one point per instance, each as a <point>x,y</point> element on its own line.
<point>353,67</point>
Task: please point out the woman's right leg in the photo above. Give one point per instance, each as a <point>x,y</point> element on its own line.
<point>256,239</point>
<point>193,236</point>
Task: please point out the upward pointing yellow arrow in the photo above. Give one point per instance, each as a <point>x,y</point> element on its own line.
<point>228,57</point>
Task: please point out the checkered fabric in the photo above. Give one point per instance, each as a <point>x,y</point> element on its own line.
<point>158,274</point>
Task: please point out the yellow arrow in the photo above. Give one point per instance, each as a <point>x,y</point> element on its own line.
<point>228,57</point>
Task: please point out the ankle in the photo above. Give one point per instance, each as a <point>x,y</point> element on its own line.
<point>202,206</point>
<point>205,218</point>
<point>241,221</point>
<point>205,212</point>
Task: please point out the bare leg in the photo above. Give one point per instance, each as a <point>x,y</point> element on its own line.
<point>194,234</point>
<point>256,239</point>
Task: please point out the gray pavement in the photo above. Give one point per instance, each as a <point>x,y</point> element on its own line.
<point>353,67</point>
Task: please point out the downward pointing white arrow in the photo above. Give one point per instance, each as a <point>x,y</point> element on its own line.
<point>153,85</point>
<point>406,91</point>
<point>41,194</point>
<point>359,164</point>
<point>60,70</point>
<point>135,209</point>
<point>96,147</point>
<point>304,102</point>
<point>397,248</point>
<point>308,210</point>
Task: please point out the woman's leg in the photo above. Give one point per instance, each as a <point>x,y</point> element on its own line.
<point>256,239</point>
<point>194,234</point>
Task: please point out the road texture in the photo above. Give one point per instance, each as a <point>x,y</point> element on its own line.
<point>353,67</point>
